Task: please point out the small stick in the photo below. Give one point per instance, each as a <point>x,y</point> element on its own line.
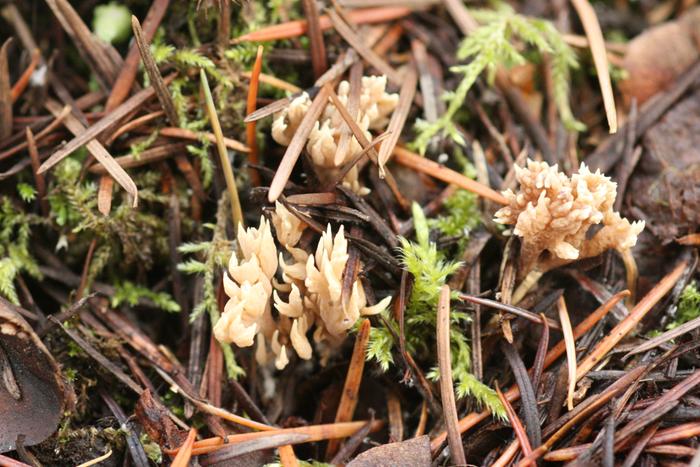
<point>349,398</point>
<point>516,424</point>
<point>595,37</point>
<point>251,139</point>
<point>570,350</point>
<point>297,28</point>
<point>449,408</point>
<point>184,452</point>
<point>236,211</point>
<point>409,159</point>
<point>291,155</point>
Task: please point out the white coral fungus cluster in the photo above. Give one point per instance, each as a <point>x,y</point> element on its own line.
<point>375,107</point>
<point>313,284</point>
<point>553,213</point>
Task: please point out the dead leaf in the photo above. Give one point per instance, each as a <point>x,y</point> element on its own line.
<point>415,452</point>
<point>659,55</point>
<point>32,393</point>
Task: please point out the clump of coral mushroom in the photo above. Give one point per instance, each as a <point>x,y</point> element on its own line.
<point>313,284</point>
<point>553,214</point>
<point>324,143</point>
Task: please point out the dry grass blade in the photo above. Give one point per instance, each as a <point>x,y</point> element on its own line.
<point>351,389</point>
<point>600,58</point>
<point>398,118</point>
<point>291,155</point>
<point>230,451</point>
<point>23,80</point>
<point>516,424</point>
<point>299,27</point>
<point>570,350</point>
<point>315,33</point>
<point>94,148</point>
<point>356,42</point>
<point>184,453</point>
<point>409,159</point>
<point>514,393</point>
<point>96,129</point>
<point>629,323</point>
<point>449,408</point>
<point>149,64</point>
<point>251,139</point>
<point>236,211</point>
<point>5,93</point>
<point>127,74</point>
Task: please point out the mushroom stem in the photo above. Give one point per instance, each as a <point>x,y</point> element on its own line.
<point>631,273</point>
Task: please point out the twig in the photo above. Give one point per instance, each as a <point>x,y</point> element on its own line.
<point>349,398</point>
<point>427,166</point>
<point>236,211</point>
<point>449,407</point>
<point>595,38</point>
<point>251,139</point>
<point>291,155</point>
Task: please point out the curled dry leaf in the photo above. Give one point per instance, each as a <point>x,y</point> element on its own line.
<point>659,55</point>
<point>32,393</point>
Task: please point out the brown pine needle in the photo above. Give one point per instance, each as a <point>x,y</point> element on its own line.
<point>291,155</point>
<point>398,118</point>
<point>421,164</point>
<point>630,322</point>
<point>23,80</point>
<point>299,27</point>
<point>349,398</point>
<point>319,61</point>
<point>183,133</point>
<point>184,453</point>
<point>570,344</point>
<point>287,456</point>
<point>236,212</point>
<point>251,139</point>
<point>514,393</point>
<point>600,58</point>
<point>449,407</point>
<point>515,423</point>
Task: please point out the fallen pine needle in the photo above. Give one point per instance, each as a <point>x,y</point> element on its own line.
<point>184,453</point>
<point>600,58</point>
<point>514,393</point>
<point>351,389</point>
<point>449,407</point>
<point>274,82</point>
<point>236,212</point>
<point>515,423</point>
<point>23,80</point>
<point>570,345</point>
<point>410,159</point>
<point>251,139</point>
<point>287,456</point>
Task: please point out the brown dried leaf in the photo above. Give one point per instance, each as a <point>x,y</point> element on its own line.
<point>659,55</point>
<point>32,393</point>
